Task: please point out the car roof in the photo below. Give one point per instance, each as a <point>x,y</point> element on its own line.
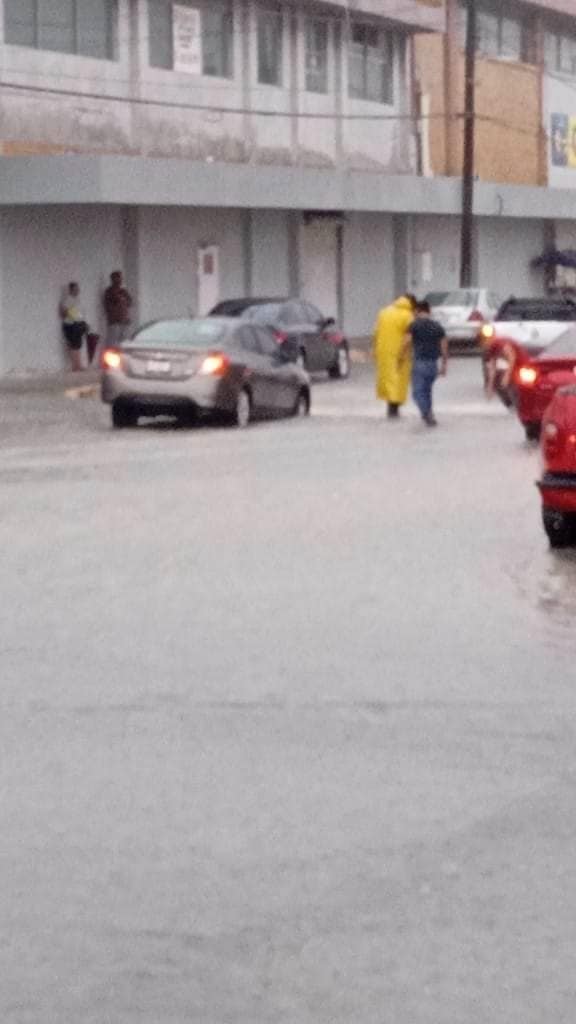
<point>534,302</point>
<point>234,307</point>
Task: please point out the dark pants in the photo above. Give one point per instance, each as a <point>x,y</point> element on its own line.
<point>74,335</point>
<point>424,373</point>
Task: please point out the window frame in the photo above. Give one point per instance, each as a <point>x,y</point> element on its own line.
<point>502,19</point>
<point>36,43</point>
<point>165,10</point>
<point>311,25</point>
<point>557,39</point>
<point>277,15</point>
<point>387,61</point>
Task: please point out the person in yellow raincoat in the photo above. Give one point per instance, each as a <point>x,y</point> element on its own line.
<point>393,367</point>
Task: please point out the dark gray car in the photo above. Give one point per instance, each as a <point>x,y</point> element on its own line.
<point>190,368</point>
<point>314,339</point>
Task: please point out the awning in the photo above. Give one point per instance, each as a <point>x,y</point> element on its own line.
<point>556,258</point>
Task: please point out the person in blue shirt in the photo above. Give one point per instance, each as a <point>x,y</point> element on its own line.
<point>427,343</point>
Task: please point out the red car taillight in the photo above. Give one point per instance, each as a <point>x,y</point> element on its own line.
<point>527,376</point>
<point>111,359</point>
<point>214,365</point>
<point>280,336</point>
<point>476,317</point>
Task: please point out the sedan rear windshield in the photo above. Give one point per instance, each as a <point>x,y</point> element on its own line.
<point>565,345</point>
<point>268,314</point>
<point>519,309</point>
<point>181,334</point>
<point>461,298</point>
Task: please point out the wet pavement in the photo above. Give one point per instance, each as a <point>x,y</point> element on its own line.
<point>287,721</point>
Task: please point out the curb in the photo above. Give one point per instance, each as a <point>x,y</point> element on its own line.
<point>84,391</point>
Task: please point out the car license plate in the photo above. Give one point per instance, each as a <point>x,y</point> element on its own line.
<point>158,366</point>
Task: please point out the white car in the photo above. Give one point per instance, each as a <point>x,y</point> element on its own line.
<point>532,323</point>
<point>462,313</point>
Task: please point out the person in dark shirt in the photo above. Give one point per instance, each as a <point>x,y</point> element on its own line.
<point>117,304</point>
<point>428,345</point>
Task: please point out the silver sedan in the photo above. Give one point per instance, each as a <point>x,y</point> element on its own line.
<point>192,368</point>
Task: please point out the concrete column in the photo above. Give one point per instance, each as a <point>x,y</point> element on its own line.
<point>339,56</point>
<point>248,251</point>
<point>294,35</point>
<point>131,243</point>
<point>402,233</point>
<point>247,54</point>
<point>2,350</point>
<point>294,220</point>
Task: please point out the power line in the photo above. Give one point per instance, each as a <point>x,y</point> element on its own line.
<point>34,90</point>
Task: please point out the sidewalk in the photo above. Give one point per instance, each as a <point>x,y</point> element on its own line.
<point>61,381</point>
<point>46,383</point>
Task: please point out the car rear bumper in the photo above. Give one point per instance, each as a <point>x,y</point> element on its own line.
<point>464,334</point>
<point>163,396</point>
<point>532,405</point>
<point>558,491</point>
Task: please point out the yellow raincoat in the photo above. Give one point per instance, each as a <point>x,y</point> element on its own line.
<point>392,373</point>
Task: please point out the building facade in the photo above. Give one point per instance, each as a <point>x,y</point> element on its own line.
<point>213,148</point>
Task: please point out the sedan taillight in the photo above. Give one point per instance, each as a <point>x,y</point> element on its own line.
<point>527,375</point>
<point>214,365</point>
<point>111,359</point>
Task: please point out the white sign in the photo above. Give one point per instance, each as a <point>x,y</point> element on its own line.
<point>187,39</point>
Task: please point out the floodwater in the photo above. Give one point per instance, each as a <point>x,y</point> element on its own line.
<point>287,720</point>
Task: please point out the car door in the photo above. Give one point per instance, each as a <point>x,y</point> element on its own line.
<point>257,367</point>
<point>326,348</point>
<point>295,323</point>
<point>281,377</point>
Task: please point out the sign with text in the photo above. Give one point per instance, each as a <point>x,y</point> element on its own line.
<point>187,39</point>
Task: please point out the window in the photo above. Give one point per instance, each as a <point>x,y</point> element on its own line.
<point>292,314</point>
<point>270,47</point>
<point>216,35</point>
<point>371,64</point>
<point>84,27</point>
<point>265,313</point>
<point>499,35</point>
<point>191,333</point>
<point>266,341</point>
<point>248,339</point>
<point>560,53</point>
<point>565,345</point>
<point>316,37</point>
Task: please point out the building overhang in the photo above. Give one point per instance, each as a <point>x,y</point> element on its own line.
<point>141,181</point>
<point>415,15</point>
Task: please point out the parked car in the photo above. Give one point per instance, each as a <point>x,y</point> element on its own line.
<point>522,330</point>
<point>462,313</point>
<point>531,322</point>
<point>558,483</point>
<point>316,340</point>
<point>537,380</point>
<point>190,368</point>
<point>435,299</point>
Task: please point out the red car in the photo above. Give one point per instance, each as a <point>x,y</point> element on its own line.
<point>536,380</point>
<point>558,483</point>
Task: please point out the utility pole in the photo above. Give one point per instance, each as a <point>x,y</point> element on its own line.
<point>469,146</point>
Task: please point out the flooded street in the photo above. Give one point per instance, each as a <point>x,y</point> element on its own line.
<point>288,719</point>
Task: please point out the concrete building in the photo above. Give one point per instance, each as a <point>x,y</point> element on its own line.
<point>220,147</point>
